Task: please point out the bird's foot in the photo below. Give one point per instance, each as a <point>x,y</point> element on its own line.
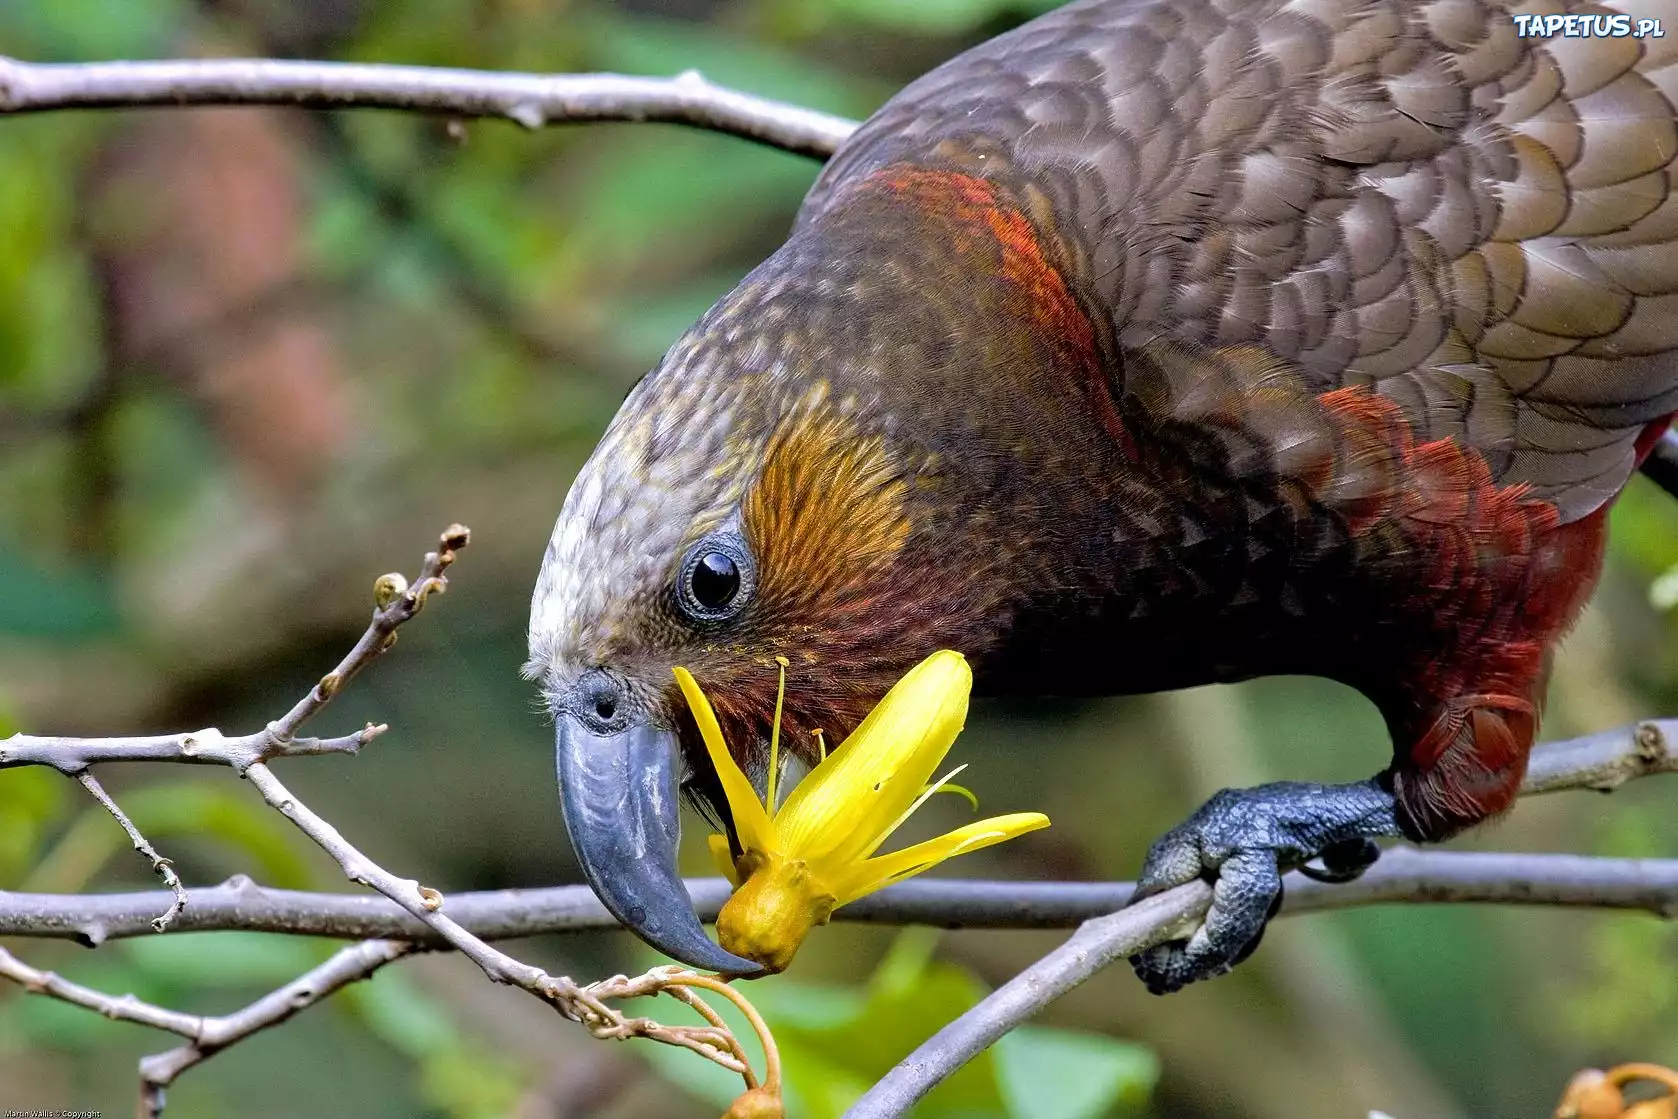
<point>1243,841</point>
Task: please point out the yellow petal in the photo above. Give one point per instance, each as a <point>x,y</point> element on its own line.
<point>751,822</point>
<point>843,810</point>
<point>865,878</point>
<point>723,857</point>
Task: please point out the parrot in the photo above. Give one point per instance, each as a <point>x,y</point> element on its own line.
<point>1148,345</point>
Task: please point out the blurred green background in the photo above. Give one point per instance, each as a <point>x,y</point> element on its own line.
<point>251,359</point>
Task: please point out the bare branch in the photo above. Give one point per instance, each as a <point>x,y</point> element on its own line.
<point>207,1036</point>
<point>1596,761</point>
<point>120,1008</point>
<point>397,603</point>
<point>158,862</point>
<point>72,756</point>
<point>212,1035</point>
<point>1603,761</point>
<point>1402,875</point>
<point>1599,761</point>
<point>532,100</point>
<point>582,1004</point>
<point>1097,943</point>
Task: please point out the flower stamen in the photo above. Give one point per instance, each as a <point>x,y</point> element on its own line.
<point>775,736</point>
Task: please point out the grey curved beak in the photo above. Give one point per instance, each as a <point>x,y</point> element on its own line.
<point>618,791</point>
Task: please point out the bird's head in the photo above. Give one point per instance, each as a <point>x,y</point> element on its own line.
<point>810,473</point>
<point>735,511</point>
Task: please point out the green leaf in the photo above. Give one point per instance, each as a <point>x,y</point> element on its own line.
<point>459,1076</point>
<point>1048,1073</point>
<point>899,1016</point>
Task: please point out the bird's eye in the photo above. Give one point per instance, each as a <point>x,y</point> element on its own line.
<point>716,579</point>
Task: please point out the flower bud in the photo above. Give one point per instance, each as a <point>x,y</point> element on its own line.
<point>1591,1095</point>
<point>758,1103</point>
<point>1662,1107</point>
<point>776,906</point>
<point>388,588</point>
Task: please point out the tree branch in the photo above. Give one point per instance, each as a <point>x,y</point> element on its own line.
<point>212,1035</point>
<point>1599,761</point>
<point>395,603</point>
<point>119,1008</point>
<point>532,100</point>
<point>1403,875</point>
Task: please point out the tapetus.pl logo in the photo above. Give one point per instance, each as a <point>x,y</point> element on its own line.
<point>1614,25</point>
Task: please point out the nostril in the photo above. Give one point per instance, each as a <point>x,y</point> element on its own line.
<point>599,699</point>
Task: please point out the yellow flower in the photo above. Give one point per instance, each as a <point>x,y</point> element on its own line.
<point>817,852</point>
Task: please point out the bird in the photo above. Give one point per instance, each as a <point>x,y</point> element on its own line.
<point>1151,344</point>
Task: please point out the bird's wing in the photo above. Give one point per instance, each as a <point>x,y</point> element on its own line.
<point>1403,194</point>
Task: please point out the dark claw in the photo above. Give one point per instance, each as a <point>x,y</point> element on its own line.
<point>1243,841</point>
<point>1344,862</point>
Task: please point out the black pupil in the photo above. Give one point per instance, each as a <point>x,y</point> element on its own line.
<point>716,579</point>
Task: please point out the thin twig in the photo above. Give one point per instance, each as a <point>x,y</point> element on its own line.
<point>1603,761</point>
<point>72,756</point>
<point>348,965</point>
<point>580,1004</point>
<point>397,603</point>
<point>207,1036</point>
<point>531,100</point>
<point>120,1008</point>
<point>1096,944</point>
<point>159,864</point>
